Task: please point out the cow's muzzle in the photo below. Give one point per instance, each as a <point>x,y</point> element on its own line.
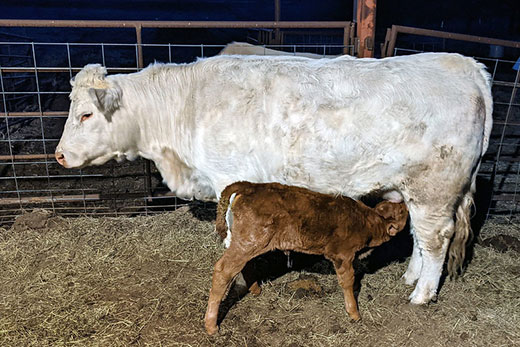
<point>60,158</point>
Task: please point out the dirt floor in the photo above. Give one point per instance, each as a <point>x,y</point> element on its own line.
<point>145,281</point>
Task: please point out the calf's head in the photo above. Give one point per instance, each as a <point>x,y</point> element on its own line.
<point>87,136</point>
<point>394,214</point>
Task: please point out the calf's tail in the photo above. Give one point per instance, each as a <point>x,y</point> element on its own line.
<point>226,197</point>
<point>222,207</point>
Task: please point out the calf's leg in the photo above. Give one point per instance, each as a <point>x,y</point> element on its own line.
<point>250,278</point>
<point>345,273</point>
<point>225,271</point>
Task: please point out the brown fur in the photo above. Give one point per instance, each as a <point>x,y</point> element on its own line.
<point>273,216</point>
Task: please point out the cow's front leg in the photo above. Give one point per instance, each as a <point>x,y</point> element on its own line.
<point>433,232</point>
<point>415,265</point>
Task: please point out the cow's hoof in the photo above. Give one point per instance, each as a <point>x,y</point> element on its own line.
<point>422,297</point>
<point>410,277</point>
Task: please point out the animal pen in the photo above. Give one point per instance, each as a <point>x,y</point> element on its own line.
<point>34,79</point>
<point>145,281</point>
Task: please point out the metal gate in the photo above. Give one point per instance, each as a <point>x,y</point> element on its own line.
<point>34,82</point>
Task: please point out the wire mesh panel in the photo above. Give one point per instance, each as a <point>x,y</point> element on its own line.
<point>34,82</point>
<point>35,88</point>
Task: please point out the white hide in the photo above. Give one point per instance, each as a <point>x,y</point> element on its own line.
<point>415,126</point>
<point>229,221</point>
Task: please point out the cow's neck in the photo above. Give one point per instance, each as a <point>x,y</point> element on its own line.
<point>151,120</point>
<point>156,123</point>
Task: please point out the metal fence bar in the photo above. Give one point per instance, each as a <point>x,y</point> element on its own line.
<point>502,136</point>
<point>40,108</point>
<point>51,176</point>
<point>33,114</point>
<point>36,92</point>
<point>396,29</point>
<point>25,156</point>
<point>4,99</point>
<point>140,65</point>
<point>346,26</point>
<point>173,24</point>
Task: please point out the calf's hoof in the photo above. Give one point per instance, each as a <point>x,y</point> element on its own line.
<point>211,329</point>
<point>255,289</point>
<point>355,317</point>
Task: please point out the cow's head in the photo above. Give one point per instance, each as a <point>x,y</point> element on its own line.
<point>87,136</point>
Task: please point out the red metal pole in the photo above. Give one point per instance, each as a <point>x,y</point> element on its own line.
<point>366,27</point>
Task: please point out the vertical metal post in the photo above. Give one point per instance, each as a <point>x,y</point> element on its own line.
<point>277,19</point>
<point>384,45</point>
<point>366,27</point>
<point>352,38</point>
<point>40,109</point>
<point>80,170</point>
<point>140,65</point>
<point>346,39</point>
<point>9,143</point>
<point>391,44</point>
<point>140,61</point>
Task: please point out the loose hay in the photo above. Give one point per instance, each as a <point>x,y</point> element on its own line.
<point>145,281</point>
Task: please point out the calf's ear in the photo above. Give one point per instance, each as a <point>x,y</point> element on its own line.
<point>107,100</point>
<point>392,229</point>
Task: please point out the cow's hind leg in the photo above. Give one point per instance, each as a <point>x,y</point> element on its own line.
<point>433,227</point>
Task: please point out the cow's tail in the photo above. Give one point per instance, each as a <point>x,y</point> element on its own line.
<point>483,80</point>
<point>463,233</point>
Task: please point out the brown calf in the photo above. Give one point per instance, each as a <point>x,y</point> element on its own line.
<point>257,218</point>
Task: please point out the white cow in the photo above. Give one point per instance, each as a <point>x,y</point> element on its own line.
<point>410,127</point>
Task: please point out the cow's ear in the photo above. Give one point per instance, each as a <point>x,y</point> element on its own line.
<point>107,100</point>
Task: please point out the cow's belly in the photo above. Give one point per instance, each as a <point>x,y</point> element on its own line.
<point>351,174</point>
<point>358,169</point>
<point>353,178</point>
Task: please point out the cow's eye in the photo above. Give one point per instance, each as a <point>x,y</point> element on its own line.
<point>86,116</point>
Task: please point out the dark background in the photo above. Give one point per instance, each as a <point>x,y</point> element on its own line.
<point>497,19</point>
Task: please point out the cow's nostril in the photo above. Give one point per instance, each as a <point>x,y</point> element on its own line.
<point>60,157</point>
